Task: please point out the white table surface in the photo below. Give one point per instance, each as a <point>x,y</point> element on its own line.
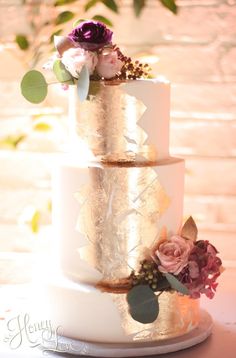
<point>221,344</point>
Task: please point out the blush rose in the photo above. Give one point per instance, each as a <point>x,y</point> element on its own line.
<point>173,254</point>
<point>108,64</point>
<point>75,58</point>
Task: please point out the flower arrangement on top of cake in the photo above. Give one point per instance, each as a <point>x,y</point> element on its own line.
<point>86,53</point>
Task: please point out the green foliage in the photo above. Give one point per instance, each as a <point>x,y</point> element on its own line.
<point>176,284</point>
<point>94,88</point>
<point>138,6</point>
<point>11,141</point>
<point>83,84</point>
<point>63,17</point>
<point>103,19</point>
<point>90,4</point>
<point>77,22</point>
<point>34,86</point>
<point>143,304</point>
<point>34,222</point>
<point>171,5</point>
<point>61,73</point>
<point>63,2</point>
<point>55,33</point>
<point>42,127</point>
<point>112,5</point>
<point>22,42</point>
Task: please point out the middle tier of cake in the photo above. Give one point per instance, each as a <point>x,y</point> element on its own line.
<point>106,216</point>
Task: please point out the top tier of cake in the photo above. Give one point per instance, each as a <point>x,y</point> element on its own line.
<point>124,121</point>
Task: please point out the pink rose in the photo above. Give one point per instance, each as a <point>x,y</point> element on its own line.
<point>174,254</point>
<point>108,64</point>
<point>75,58</point>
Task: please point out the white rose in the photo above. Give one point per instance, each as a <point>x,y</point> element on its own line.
<point>108,64</point>
<point>75,58</point>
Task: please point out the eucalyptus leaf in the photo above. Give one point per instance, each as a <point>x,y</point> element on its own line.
<point>176,284</point>
<point>61,73</point>
<point>22,42</point>
<point>111,4</point>
<point>162,284</point>
<point>34,86</point>
<point>138,6</point>
<point>83,84</point>
<point>171,5</point>
<point>143,304</point>
<point>103,19</point>
<point>64,17</point>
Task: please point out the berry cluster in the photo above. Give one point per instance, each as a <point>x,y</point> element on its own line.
<point>131,70</point>
<point>147,274</point>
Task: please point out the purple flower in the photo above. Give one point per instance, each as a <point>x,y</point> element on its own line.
<point>91,35</point>
<point>203,268</point>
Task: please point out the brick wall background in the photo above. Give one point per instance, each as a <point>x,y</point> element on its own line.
<point>196,50</point>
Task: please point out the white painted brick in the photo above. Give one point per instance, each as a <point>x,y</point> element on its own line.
<point>211,209</point>
<point>205,97</point>
<point>202,137</point>
<point>210,177</point>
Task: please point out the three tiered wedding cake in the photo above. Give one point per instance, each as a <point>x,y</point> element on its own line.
<point>129,269</point>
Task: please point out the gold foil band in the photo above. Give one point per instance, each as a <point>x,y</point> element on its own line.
<point>178,315</point>
<point>119,215</point>
<point>108,124</point>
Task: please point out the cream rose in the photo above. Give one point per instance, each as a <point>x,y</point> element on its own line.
<point>75,58</point>
<point>174,254</point>
<point>108,64</point>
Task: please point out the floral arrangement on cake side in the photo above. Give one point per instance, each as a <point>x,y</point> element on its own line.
<point>179,263</point>
<point>86,53</point>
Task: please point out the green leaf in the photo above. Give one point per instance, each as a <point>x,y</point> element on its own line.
<point>138,6</point>
<point>77,22</point>
<point>63,2</point>
<point>11,142</point>
<point>111,4</point>
<point>55,33</point>
<point>94,88</point>
<point>34,86</point>
<point>171,5</point>
<point>103,19</point>
<point>64,17</point>
<point>162,284</point>
<point>42,127</point>
<point>90,4</point>
<point>143,304</point>
<point>83,84</point>
<point>34,222</point>
<point>61,73</point>
<point>176,284</point>
<point>22,42</point>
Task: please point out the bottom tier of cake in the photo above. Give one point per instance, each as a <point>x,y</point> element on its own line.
<point>82,312</point>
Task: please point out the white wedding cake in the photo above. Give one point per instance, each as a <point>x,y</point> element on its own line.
<point>106,213</point>
<point>125,268</point>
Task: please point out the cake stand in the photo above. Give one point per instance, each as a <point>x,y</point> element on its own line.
<point>76,347</point>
